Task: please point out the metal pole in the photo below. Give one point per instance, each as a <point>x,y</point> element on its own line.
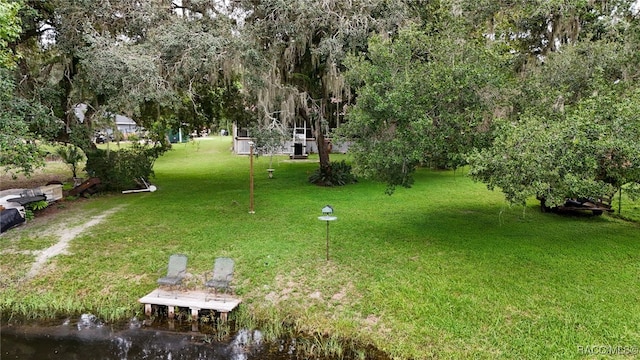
<point>619,200</point>
<point>327,240</point>
<point>251,211</point>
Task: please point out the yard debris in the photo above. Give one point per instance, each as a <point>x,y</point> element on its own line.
<point>11,217</point>
<point>89,186</point>
<point>146,188</point>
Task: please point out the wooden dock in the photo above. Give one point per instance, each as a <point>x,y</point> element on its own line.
<point>195,300</point>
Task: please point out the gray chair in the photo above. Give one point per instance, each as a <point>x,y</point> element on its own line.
<point>175,272</point>
<point>222,275</point>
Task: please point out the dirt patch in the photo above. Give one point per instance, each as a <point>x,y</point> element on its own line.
<point>56,208</point>
<point>48,223</point>
<point>52,171</point>
<point>65,235</point>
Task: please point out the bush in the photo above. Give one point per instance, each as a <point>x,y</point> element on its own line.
<point>122,169</point>
<point>71,155</point>
<point>33,207</point>
<point>337,174</point>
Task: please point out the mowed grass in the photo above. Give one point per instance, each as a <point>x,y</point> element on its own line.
<point>442,270</point>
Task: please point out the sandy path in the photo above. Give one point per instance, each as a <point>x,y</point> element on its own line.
<point>65,235</point>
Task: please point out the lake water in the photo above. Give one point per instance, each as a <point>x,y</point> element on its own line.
<point>87,339</point>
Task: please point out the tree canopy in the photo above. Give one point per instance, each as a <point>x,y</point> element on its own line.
<point>537,97</point>
<point>9,31</point>
<point>571,132</point>
<point>523,99</point>
<point>22,119</point>
<point>421,99</point>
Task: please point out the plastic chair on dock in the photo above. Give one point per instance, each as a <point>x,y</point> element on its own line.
<point>222,275</point>
<point>175,272</point>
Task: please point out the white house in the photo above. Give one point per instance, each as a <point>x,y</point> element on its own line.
<point>301,144</point>
<point>124,125</point>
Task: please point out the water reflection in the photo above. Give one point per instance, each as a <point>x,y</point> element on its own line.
<point>89,338</point>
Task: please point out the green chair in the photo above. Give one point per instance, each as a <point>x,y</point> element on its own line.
<point>222,275</point>
<point>175,272</point>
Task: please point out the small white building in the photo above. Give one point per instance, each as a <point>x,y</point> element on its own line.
<point>124,125</point>
<point>301,144</point>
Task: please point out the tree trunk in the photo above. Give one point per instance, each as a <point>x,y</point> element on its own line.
<point>66,85</point>
<point>323,148</point>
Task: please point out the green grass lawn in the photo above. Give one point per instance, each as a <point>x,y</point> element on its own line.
<point>445,269</point>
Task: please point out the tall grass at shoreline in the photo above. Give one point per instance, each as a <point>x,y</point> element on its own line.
<point>445,269</point>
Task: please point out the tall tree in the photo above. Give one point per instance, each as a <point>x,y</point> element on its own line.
<point>589,152</point>
<point>22,119</point>
<point>571,132</point>
<point>297,53</point>
<point>157,61</point>
<point>422,99</point>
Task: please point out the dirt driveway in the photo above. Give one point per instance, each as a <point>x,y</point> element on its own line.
<point>56,225</point>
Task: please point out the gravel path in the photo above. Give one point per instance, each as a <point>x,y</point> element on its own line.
<point>65,235</point>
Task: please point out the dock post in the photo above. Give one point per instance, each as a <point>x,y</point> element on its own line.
<point>172,311</point>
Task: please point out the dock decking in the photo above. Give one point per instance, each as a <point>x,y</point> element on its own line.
<point>195,300</point>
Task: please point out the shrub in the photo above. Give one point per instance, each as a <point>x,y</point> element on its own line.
<point>122,169</point>
<point>268,140</point>
<point>71,155</point>
<point>337,174</point>
<point>31,208</point>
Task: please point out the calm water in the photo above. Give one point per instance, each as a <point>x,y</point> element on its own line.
<point>87,338</point>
